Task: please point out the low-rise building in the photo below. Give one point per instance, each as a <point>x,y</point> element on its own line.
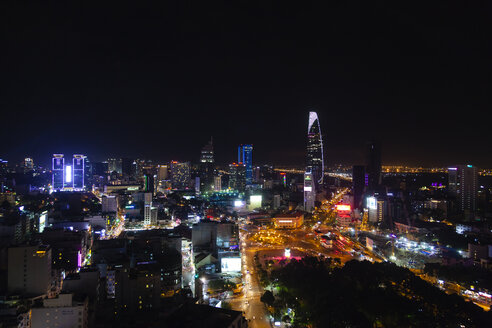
<point>289,221</point>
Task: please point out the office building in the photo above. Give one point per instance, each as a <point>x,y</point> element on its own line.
<point>149,183</point>
<point>207,153</point>
<point>358,185</point>
<point>114,165</point>
<point>147,208</point>
<point>162,172</point>
<point>237,176</point>
<point>78,171</point>
<point>29,270</point>
<point>373,167</point>
<point>218,183</point>
<point>309,192</point>
<point>245,156</point>
<point>180,175</point>
<point>462,183</point>
<point>58,172</point>
<point>109,204</point>
<point>207,166</point>
<point>128,168</point>
<point>315,160</point>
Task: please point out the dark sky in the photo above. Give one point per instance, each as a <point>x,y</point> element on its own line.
<point>156,81</point>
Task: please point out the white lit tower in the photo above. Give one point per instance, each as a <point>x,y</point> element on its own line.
<point>313,178</point>
<point>315,162</point>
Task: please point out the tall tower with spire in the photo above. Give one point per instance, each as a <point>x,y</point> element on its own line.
<point>313,178</point>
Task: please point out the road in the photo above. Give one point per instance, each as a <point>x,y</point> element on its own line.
<point>249,301</point>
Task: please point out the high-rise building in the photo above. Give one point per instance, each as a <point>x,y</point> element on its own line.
<point>109,204</point>
<point>207,166</point>
<point>127,168</point>
<point>147,208</point>
<point>58,172</point>
<point>358,184</point>
<point>180,175</point>
<point>218,183</point>
<point>78,168</point>
<point>29,270</point>
<point>462,183</point>
<point>245,156</point>
<point>162,172</point>
<point>207,153</point>
<point>149,183</point>
<point>237,176</point>
<point>373,168</point>
<point>114,165</point>
<point>309,192</point>
<point>315,161</point>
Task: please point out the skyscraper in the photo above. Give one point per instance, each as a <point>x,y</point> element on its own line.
<point>373,168</point>
<point>315,160</point>
<point>237,176</point>
<point>180,175</point>
<point>114,165</point>
<point>358,184</point>
<point>58,172</point>
<point>245,156</point>
<point>462,183</point>
<point>207,166</point>
<point>78,168</point>
<point>207,153</point>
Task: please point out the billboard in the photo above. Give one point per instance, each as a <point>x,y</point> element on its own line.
<point>371,203</point>
<point>343,208</point>
<point>230,264</point>
<point>42,221</point>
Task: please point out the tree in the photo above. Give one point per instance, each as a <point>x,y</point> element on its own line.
<point>267,298</point>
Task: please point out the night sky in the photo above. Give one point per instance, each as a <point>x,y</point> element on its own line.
<point>157,81</point>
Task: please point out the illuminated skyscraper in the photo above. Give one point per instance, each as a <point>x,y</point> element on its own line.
<point>315,161</point>
<point>207,166</point>
<point>58,172</point>
<point>78,168</point>
<point>245,156</point>
<point>207,153</point>
<point>462,183</point>
<point>180,175</point>
<point>237,176</point>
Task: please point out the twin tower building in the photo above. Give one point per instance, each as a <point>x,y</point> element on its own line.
<point>315,168</point>
<point>68,174</point>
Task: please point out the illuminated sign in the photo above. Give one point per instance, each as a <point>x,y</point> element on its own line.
<point>238,203</point>
<point>285,221</point>
<point>452,169</point>
<point>255,201</point>
<point>308,188</point>
<point>371,203</point>
<point>68,173</point>
<point>42,222</point>
<point>230,264</point>
<point>343,207</point>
